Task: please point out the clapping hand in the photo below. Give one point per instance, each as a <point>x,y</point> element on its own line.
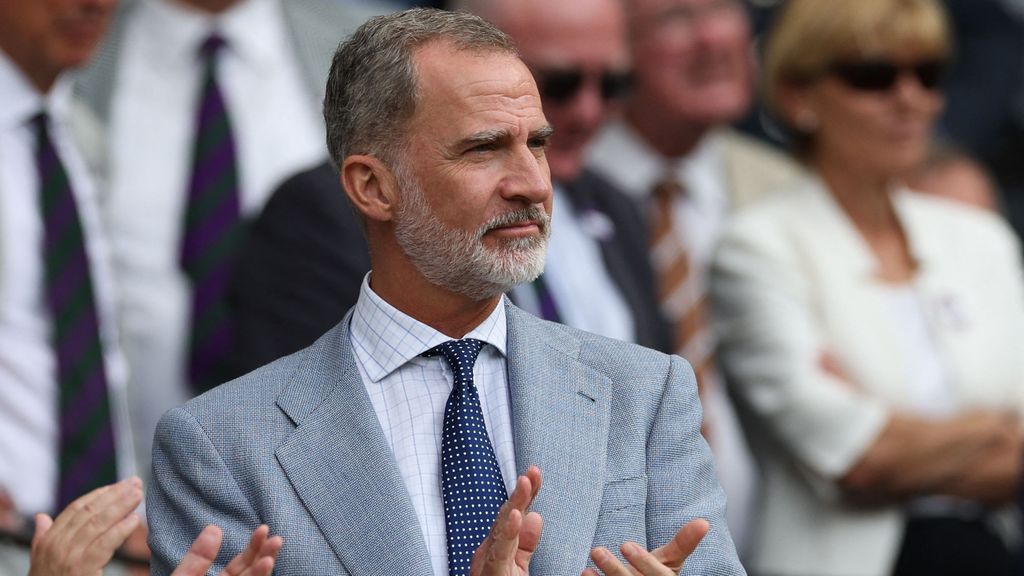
<point>514,535</point>
<point>664,561</point>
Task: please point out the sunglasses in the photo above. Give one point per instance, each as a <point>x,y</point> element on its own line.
<point>562,85</point>
<point>881,75</point>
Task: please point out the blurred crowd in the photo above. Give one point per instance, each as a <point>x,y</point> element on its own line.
<point>814,202</point>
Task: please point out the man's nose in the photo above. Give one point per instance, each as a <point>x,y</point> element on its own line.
<point>528,179</point>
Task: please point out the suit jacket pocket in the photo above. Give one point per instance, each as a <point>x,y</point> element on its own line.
<point>624,493</point>
<point>623,513</point>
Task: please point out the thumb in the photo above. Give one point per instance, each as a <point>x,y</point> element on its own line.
<point>682,544</point>
<point>43,523</point>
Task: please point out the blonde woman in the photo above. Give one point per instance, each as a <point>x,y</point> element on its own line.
<point>874,336</point>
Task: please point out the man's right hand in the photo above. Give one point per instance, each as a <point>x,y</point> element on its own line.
<point>256,560</point>
<point>514,535</point>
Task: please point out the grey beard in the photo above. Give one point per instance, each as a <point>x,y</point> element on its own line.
<point>458,260</point>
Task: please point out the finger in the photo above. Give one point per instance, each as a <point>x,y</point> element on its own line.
<point>522,495</point>
<point>248,556</point>
<point>99,553</point>
<point>589,572</point>
<point>682,544</point>
<point>201,554</point>
<point>505,543</point>
<point>262,567</point>
<point>43,523</point>
<point>608,563</point>
<point>529,537</point>
<point>268,551</point>
<point>533,473</point>
<point>96,512</point>
<point>645,562</point>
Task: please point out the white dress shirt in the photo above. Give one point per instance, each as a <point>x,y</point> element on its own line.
<point>277,133</point>
<point>29,429</point>
<point>621,156</point>
<point>585,294</point>
<point>409,392</point>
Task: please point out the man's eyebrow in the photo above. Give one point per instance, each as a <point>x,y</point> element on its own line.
<point>544,132</point>
<point>485,137</point>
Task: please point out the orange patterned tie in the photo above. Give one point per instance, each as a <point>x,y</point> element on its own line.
<point>682,300</point>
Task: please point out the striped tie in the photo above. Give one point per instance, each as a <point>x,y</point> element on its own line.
<point>86,449</point>
<point>682,300</point>
<point>212,226</point>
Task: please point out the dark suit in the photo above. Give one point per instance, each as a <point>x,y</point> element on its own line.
<point>298,271</point>
<point>625,255</point>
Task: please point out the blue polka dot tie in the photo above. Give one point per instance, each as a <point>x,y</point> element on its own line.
<point>471,483</point>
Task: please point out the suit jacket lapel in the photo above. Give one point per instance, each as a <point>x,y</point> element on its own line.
<point>339,463</point>
<point>560,415</point>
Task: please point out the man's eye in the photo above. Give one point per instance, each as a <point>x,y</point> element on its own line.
<point>485,147</point>
<point>538,142</point>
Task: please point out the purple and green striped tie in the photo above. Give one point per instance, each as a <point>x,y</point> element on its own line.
<point>212,227</point>
<point>86,445</point>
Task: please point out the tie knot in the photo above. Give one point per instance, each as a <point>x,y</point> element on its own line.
<point>41,123</point>
<point>460,354</point>
<point>211,46</point>
<point>668,188</point>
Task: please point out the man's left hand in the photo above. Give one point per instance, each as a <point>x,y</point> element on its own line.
<point>664,561</point>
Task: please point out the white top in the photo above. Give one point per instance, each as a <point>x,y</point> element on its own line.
<point>28,370</point>
<point>628,162</point>
<point>409,392</point>
<point>584,293</point>
<point>277,133</point>
<point>929,392</point>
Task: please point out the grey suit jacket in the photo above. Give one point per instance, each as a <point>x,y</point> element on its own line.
<point>614,427</point>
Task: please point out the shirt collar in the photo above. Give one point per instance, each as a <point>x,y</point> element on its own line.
<point>21,99</point>
<point>385,338</point>
<point>178,30</point>
<point>620,145</point>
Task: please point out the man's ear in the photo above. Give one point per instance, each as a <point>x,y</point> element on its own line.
<point>370,186</point>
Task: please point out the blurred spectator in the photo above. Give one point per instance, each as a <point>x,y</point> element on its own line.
<point>207,106</point>
<point>873,333</point>
<point>673,154</point>
<point>62,419</point>
<point>984,91</point>
<point>597,276</point>
<point>952,174</point>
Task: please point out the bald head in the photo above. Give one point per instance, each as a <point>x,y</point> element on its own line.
<point>560,40</point>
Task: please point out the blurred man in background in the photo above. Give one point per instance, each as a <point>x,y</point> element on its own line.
<point>207,106</point>
<point>63,430</point>
<point>674,155</point>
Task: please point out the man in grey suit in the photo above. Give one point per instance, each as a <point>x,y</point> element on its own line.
<point>387,447</point>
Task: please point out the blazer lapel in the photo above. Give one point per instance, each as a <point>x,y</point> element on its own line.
<point>339,463</point>
<point>560,415</point>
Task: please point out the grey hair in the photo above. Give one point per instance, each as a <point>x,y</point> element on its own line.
<point>371,89</point>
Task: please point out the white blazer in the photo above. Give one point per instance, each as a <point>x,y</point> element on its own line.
<point>792,279</point>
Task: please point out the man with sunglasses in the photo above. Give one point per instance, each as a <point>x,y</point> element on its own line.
<point>597,276</point>
<point>671,152</point>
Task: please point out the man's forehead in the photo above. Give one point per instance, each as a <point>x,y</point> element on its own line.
<point>472,79</point>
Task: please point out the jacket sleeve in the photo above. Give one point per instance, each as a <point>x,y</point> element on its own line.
<point>682,485</point>
<point>191,488</point>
